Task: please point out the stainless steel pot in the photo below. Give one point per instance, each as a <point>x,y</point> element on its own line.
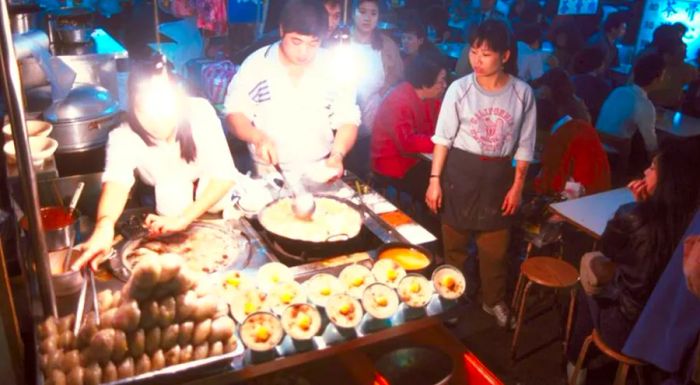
<point>83,119</point>
<point>79,136</point>
<point>69,34</point>
<point>24,18</point>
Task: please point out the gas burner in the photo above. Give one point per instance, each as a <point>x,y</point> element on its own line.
<point>365,241</point>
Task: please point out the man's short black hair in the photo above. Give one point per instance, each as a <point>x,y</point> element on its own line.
<point>422,71</point>
<point>305,17</point>
<point>614,20</point>
<point>648,68</point>
<point>588,59</point>
<point>529,33</point>
<point>415,27</point>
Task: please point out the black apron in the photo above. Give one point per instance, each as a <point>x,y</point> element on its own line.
<point>474,188</point>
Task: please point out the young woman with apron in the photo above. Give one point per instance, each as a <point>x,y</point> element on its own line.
<point>487,119</point>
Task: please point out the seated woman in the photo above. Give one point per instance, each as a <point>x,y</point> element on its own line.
<point>171,142</point>
<point>404,125</point>
<point>572,150</point>
<point>635,248</point>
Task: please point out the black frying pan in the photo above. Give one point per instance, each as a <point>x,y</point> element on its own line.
<point>296,246</point>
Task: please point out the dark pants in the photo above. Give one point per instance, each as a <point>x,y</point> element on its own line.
<point>605,316</point>
<point>492,247</point>
<point>357,159</point>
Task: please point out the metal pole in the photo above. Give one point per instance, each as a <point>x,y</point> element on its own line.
<point>13,95</point>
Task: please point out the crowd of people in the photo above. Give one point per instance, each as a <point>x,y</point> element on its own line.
<point>504,105</point>
<point>505,111</point>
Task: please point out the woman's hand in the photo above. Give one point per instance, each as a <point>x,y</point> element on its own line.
<point>162,225</point>
<point>96,248</point>
<point>512,200</point>
<point>639,190</point>
<point>433,197</point>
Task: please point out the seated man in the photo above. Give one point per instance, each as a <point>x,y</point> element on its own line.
<point>628,109</point>
<point>414,41</point>
<point>404,125</point>
<point>572,150</point>
<point>590,84</point>
<point>532,61</point>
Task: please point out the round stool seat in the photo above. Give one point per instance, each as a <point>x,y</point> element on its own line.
<point>612,353</point>
<point>549,272</point>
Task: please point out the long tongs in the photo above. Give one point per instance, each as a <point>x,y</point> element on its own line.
<point>88,278</point>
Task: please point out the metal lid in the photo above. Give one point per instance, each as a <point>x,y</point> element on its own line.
<point>85,102</point>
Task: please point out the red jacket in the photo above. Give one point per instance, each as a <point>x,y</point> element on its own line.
<point>402,129</point>
<point>575,151</point>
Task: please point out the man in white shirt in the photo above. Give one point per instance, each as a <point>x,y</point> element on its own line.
<point>628,109</point>
<point>286,101</point>
<point>532,62</point>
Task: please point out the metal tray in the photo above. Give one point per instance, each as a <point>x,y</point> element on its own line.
<point>176,373</point>
<point>122,271</point>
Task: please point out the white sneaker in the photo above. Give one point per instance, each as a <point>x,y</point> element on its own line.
<point>501,312</point>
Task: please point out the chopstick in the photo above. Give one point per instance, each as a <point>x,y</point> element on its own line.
<point>81,305</point>
<point>88,278</point>
<point>95,304</point>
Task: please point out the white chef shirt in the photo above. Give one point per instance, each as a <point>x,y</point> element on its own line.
<point>488,123</point>
<point>299,119</point>
<point>162,167</point>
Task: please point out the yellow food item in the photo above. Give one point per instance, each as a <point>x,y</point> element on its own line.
<point>381,300</point>
<point>233,281</point>
<point>449,282</point>
<point>275,278</point>
<point>391,274</point>
<point>409,259</point>
<point>358,281</point>
<point>325,291</point>
<point>249,308</point>
<point>286,297</point>
<point>415,287</point>
<point>261,333</point>
<point>304,321</point>
<point>345,308</point>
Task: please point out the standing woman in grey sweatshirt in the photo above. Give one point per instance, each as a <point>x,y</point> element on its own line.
<point>487,119</point>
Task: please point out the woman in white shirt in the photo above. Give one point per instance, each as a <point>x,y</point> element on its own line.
<point>381,67</point>
<point>171,142</point>
<point>487,119</point>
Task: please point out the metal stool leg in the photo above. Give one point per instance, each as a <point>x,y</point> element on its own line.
<point>621,375</point>
<point>581,358</point>
<point>570,317</point>
<point>518,291</point>
<point>519,323</point>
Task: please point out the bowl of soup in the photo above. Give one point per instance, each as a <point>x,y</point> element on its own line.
<point>412,258</point>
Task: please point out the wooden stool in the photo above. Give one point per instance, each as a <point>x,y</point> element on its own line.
<point>624,362</point>
<point>548,272</point>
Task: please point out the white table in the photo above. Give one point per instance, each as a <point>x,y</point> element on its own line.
<point>591,213</point>
<point>677,124</point>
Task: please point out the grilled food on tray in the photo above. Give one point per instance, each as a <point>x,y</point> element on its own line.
<point>156,320</point>
<point>332,220</point>
<point>203,249</point>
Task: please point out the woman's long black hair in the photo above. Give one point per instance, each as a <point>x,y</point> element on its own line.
<point>499,38</point>
<point>142,72</point>
<point>670,208</point>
